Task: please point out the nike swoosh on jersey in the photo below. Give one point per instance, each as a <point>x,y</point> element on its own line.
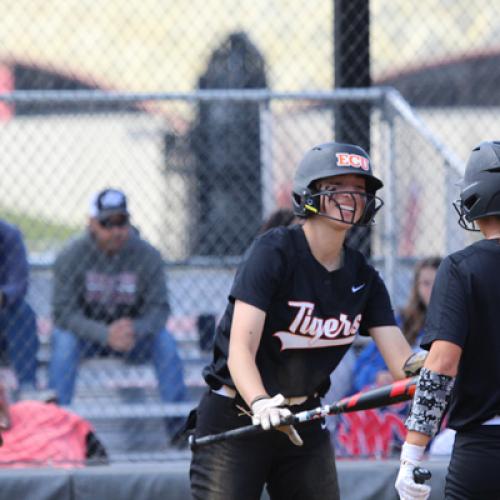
<point>355,289</point>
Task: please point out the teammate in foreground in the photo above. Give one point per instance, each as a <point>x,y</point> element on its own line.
<point>296,304</point>
<point>464,339</point>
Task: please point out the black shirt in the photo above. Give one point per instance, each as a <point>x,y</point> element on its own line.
<point>464,308</point>
<point>312,315</point>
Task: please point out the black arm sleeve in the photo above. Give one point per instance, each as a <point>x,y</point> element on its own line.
<point>447,316</point>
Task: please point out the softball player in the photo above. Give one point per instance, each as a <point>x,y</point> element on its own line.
<point>463,365</point>
<point>296,304</point>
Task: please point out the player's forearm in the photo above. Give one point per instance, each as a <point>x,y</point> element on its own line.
<point>393,347</point>
<point>245,337</point>
<point>396,370</point>
<point>245,375</point>
<point>417,438</point>
<point>81,326</point>
<point>395,355</point>
<point>396,361</point>
<point>444,358</point>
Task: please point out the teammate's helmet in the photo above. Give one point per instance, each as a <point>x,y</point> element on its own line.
<point>480,188</point>
<point>328,160</point>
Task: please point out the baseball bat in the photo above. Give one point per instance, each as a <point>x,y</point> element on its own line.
<point>399,391</point>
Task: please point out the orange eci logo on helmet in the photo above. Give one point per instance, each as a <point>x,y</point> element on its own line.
<point>352,160</point>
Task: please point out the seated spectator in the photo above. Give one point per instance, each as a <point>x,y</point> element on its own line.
<point>18,333</point>
<point>110,298</point>
<point>370,368</point>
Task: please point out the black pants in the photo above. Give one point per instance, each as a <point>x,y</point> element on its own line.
<point>474,470</point>
<point>239,468</point>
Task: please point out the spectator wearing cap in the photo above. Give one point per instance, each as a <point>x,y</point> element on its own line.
<point>110,298</point>
<point>18,334</point>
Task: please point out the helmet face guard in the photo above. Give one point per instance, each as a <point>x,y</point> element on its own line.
<point>480,194</point>
<point>371,205</point>
<point>330,160</point>
<point>463,222</point>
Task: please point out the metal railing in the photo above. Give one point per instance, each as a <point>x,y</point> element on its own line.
<point>165,194</point>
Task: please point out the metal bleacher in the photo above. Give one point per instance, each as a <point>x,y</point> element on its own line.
<point>121,400</point>
<point>122,403</point>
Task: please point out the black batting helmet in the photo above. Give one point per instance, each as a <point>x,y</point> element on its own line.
<point>329,160</point>
<point>480,188</point>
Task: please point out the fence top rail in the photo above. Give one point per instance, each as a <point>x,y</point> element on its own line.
<point>376,94</point>
<point>405,111</point>
<point>213,262</point>
<point>369,94</point>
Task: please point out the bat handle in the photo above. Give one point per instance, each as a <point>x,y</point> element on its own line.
<point>192,442</point>
<point>246,431</point>
<point>421,475</point>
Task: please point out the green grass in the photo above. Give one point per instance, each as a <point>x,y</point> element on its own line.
<point>39,234</point>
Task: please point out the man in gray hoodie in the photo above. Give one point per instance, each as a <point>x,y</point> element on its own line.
<point>110,298</point>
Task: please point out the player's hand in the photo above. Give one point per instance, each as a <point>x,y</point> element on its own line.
<point>121,336</point>
<point>408,489</point>
<point>269,412</point>
<point>414,363</point>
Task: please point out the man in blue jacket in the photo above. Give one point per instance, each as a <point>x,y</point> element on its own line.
<point>18,335</point>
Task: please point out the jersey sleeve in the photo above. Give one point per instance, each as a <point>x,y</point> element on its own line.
<point>446,317</point>
<point>258,276</point>
<point>378,310</point>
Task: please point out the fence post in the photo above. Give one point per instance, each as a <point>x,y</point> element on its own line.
<point>389,233</point>
<point>266,159</point>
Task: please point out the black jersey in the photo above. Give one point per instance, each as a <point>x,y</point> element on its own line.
<point>464,309</point>
<point>312,315</point>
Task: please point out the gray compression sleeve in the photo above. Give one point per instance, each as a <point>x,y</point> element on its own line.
<point>429,403</point>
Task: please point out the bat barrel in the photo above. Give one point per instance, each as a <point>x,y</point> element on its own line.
<point>399,391</point>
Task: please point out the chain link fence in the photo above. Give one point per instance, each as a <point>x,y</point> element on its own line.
<point>171,192</point>
<point>133,96</point>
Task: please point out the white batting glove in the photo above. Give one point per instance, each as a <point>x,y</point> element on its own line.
<point>408,489</point>
<point>269,412</point>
